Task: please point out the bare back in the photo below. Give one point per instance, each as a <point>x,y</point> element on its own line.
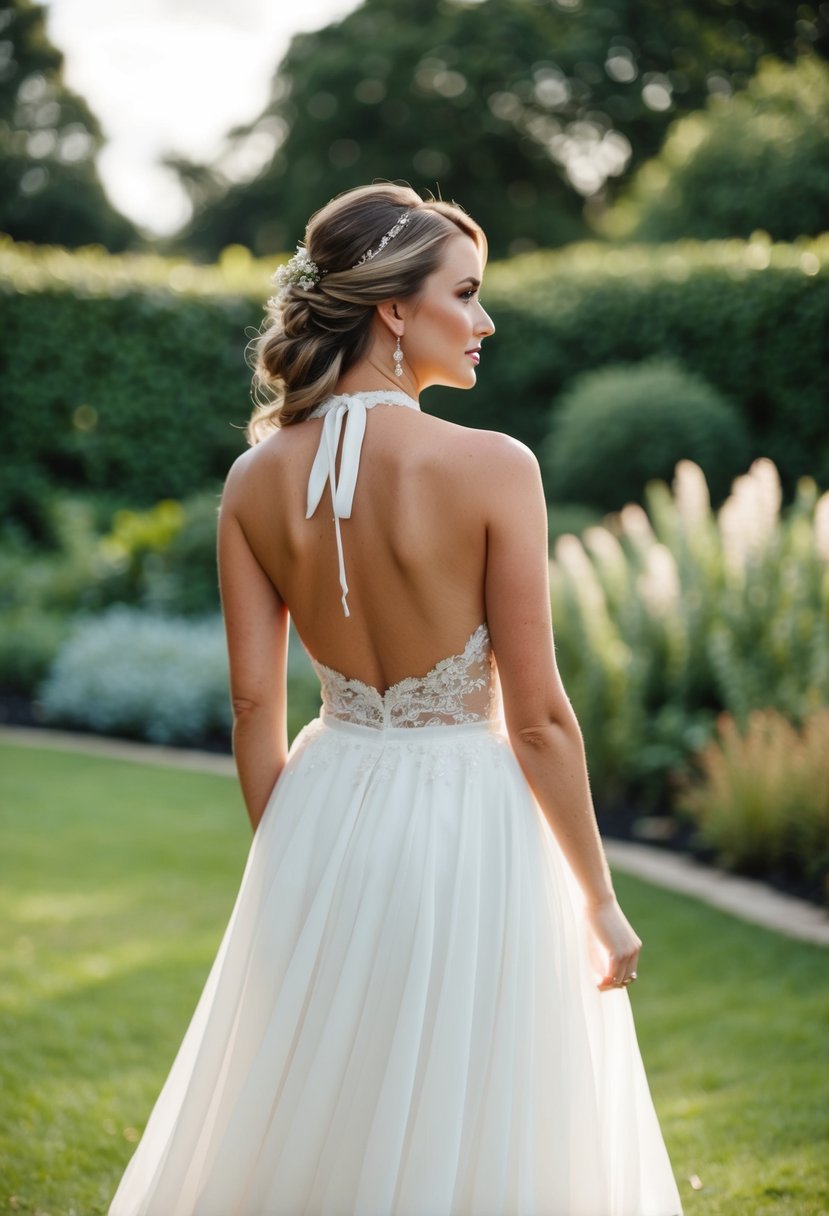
<point>415,547</point>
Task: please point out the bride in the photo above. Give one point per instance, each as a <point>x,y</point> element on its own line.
<point>419,1005</point>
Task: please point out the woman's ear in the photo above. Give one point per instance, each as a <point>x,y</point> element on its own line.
<point>389,314</point>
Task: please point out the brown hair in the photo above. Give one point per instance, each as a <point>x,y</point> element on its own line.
<point>310,338</point>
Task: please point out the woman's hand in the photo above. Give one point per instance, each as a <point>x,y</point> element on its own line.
<point>619,944</point>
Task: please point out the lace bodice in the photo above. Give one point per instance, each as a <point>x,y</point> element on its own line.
<point>459,689</point>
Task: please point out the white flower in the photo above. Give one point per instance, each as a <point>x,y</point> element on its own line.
<point>749,516</point>
<point>658,583</point>
<point>298,271</point>
<point>693,503</point>
<point>822,526</point>
<point>637,528</point>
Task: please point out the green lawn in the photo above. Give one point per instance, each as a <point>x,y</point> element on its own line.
<point>116,880</point>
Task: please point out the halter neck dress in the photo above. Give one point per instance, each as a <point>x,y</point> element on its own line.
<point>402,1018</point>
<point>336,411</point>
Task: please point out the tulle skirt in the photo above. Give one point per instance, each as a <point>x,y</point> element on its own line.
<point>402,1018</point>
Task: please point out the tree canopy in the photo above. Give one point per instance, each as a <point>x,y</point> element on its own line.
<point>521,110</point>
<point>50,191</point>
<point>759,160</point>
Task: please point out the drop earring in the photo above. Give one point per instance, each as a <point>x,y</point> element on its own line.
<point>398,359</point>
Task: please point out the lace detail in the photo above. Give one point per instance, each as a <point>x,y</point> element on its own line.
<point>458,690</point>
<point>383,396</point>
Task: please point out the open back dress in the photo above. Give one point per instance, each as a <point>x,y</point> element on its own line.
<point>403,1018</point>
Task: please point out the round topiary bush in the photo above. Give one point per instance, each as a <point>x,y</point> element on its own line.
<point>617,428</point>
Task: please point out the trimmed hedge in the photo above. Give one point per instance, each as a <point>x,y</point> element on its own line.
<point>117,385</point>
<point>127,374</point>
<point>751,318</point>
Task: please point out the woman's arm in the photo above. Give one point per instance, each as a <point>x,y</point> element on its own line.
<point>542,727</point>
<point>256,625</point>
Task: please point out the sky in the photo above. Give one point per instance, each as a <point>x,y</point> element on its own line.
<point>167,76</point>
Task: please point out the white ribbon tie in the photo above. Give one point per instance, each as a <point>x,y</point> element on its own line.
<point>324,468</point>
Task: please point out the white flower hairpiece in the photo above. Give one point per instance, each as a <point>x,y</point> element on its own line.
<point>298,271</point>
<point>390,235</point>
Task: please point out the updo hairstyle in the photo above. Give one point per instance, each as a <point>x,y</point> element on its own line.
<point>310,338</point>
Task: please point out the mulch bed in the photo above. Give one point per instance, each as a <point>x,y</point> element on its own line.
<point>676,834</point>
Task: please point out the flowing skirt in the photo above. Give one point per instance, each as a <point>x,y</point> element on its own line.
<point>402,1018</point>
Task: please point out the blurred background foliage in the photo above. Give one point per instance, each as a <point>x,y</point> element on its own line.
<point>654,181</point>
<point>49,185</point>
<point>671,612</point>
<point>524,111</point>
<point>86,340</point>
<point>534,114</point>
<point>758,160</point>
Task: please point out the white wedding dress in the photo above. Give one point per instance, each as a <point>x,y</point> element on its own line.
<point>402,1018</point>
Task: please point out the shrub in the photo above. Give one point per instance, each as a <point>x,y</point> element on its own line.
<point>63,574</point>
<point>761,799</point>
<point>29,642</point>
<point>666,618</point>
<point>757,160</point>
<point>132,673</point>
<point>162,558</point>
<point>618,428</point>
<point>185,579</point>
<point>164,679</point>
<point>165,557</point>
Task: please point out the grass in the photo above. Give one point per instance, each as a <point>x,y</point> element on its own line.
<point>116,881</point>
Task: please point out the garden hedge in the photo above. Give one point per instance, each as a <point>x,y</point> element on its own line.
<point>122,375</point>
<point>126,375</point>
<point>751,318</point>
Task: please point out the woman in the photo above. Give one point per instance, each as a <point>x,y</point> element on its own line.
<point>419,1004</point>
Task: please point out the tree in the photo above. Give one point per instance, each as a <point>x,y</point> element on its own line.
<point>49,186</point>
<point>759,160</point>
<point>521,110</point>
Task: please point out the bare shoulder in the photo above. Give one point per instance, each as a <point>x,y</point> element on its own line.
<point>238,476</point>
<point>259,462</point>
<point>504,453</point>
<point>501,465</point>
<point>492,448</point>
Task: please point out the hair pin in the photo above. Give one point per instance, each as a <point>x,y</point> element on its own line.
<point>390,235</point>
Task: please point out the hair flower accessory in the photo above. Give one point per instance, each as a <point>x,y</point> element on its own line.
<point>298,271</point>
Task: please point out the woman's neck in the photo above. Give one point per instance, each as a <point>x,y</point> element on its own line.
<point>365,377</point>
